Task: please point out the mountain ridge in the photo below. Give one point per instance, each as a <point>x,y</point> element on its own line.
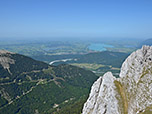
<point>31,86</point>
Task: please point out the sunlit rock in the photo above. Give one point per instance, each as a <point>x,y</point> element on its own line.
<point>129,94</point>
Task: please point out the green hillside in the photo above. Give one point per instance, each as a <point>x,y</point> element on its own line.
<point>35,87</point>
<point>114,59</point>
<point>98,62</point>
<point>101,62</point>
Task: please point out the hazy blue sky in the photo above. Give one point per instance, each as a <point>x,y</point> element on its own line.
<point>76,18</point>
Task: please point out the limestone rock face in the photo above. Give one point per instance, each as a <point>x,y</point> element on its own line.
<point>5,59</point>
<point>129,94</point>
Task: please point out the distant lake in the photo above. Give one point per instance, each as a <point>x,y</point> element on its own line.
<point>99,47</point>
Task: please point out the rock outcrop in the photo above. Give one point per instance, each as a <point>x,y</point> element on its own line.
<point>5,59</point>
<point>129,94</point>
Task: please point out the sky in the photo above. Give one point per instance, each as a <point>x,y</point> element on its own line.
<point>25,19</point>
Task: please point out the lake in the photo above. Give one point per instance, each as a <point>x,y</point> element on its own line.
<point>99,46</point>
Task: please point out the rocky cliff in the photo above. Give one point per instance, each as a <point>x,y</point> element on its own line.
<point>5,59</point>
<point>129,94</point>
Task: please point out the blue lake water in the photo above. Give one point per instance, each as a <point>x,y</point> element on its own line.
<point>99,46</point>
